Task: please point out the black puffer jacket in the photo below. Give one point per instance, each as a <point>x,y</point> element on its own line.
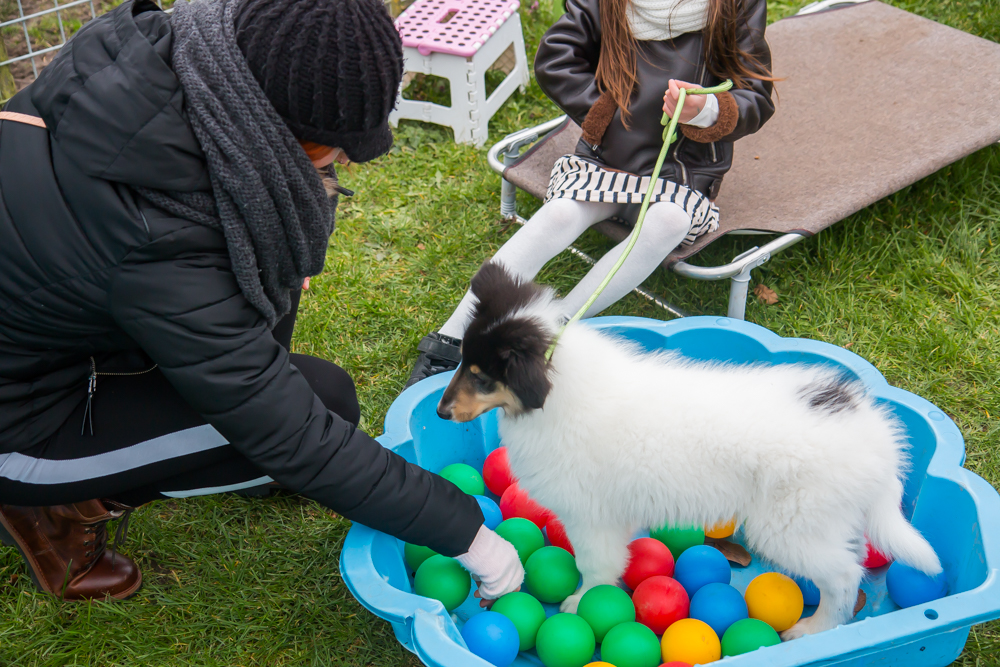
<point>565,67</point>
<point>89,269</point>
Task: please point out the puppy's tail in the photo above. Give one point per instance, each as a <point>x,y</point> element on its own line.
<point>892,534</point>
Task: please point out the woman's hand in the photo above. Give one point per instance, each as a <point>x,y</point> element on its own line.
<point>693,104</point>
<point>493,562</point>
<point>339,156</point>
<point>487,603</point>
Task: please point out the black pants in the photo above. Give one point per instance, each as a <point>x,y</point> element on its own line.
<point>148,443</point>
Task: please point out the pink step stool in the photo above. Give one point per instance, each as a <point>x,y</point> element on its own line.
<point>459,40</point>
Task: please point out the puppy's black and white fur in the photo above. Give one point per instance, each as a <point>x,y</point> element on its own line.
<point>614,439</point>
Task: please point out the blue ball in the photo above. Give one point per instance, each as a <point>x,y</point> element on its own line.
<point>493,637</point>
<point>701,565</point>
<point>909,587</point>
<point>491,512</point>
<point>719,605</point>
<point>810,594</point>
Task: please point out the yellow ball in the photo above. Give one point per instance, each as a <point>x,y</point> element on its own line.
<point>775,599</point>
<point>721,530</point>
<point>598,664</point>
<point>692,641</point>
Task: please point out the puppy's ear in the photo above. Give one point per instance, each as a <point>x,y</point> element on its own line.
<point>528,380</point>
<point>492,279</point>
<point>525,368</point>
<point>499,292</point>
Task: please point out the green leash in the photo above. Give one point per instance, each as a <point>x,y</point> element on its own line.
<point>669,136</point>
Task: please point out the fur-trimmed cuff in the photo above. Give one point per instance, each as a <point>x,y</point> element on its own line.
<point>598,119</point>
<point>729,114</point>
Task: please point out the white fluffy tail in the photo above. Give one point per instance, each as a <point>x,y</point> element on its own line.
<point>892,534</point>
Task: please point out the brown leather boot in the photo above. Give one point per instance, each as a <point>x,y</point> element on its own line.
<point>66,548</point>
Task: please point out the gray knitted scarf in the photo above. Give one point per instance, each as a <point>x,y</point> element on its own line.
<point>267,198</point>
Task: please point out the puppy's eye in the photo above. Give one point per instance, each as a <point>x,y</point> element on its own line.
<point>481,381</point>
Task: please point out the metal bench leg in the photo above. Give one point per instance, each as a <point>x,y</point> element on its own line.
<point>508,199</point>
<point>508,191</point>
<point>739,285</point>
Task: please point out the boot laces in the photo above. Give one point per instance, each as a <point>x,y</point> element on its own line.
<point>118,512</point>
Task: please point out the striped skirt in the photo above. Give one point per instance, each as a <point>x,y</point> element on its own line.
<point>581,180</point>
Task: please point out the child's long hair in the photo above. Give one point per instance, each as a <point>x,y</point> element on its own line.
<point>616,68</point>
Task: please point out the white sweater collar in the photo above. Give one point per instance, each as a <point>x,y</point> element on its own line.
<point>657,20</point>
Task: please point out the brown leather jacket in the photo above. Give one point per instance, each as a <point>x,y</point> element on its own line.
<point>565,65</point>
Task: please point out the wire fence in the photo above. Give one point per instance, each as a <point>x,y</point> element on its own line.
<point>23,20</point>
<point>33,31</point>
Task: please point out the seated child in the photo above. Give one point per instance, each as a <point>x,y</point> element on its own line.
<point>614,66</point>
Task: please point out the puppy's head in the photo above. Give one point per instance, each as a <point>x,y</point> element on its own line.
<point>503,352</point>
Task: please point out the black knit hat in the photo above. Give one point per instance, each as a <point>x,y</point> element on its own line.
<point>331,68</point>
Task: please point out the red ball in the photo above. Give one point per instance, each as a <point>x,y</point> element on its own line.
<point>647,558</point>
<point>496,471</point>
<point>675,663</point>
<point>660,602</point>
<point>516,502</point>
<point>874,558</point>
<point>557,535</point>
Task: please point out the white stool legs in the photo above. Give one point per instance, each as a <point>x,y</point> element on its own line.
<point>470,109</point>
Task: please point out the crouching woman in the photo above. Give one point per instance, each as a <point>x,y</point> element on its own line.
<point>162,206</point>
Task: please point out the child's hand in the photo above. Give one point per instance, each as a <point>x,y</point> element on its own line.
<point>693,104</point>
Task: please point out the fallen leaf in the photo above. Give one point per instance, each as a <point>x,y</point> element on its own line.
<point>756,157</point>
<point>849,344</point>
<point>766,294</point>
<point>860,604</point>
<point>421,246</point>
<point>733,552</point>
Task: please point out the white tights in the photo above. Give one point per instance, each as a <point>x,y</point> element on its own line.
<point>560,222</point>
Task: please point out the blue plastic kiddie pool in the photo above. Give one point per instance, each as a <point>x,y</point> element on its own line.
<point>957,511</point>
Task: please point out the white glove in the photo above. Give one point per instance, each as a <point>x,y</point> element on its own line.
<point>493,561</point>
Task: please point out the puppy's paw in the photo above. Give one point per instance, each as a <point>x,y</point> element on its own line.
<point>800,629</point>
<point>570,604</point>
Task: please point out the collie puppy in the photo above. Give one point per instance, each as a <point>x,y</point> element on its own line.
<point>614,439</point>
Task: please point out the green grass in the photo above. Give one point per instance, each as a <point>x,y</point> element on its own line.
<point>911,284</point>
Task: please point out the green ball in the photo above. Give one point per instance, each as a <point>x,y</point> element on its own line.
<point>678,539</point>
<point>604,607</point>
<point>415,556</point>
<point>748,635</point>
<point>565,640</point>
<point>551,574</point>
<point>465,477</point>
<point>525,612</point>
<point>631,645</point>
<point>443,579</point>
<point>526,537</point>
